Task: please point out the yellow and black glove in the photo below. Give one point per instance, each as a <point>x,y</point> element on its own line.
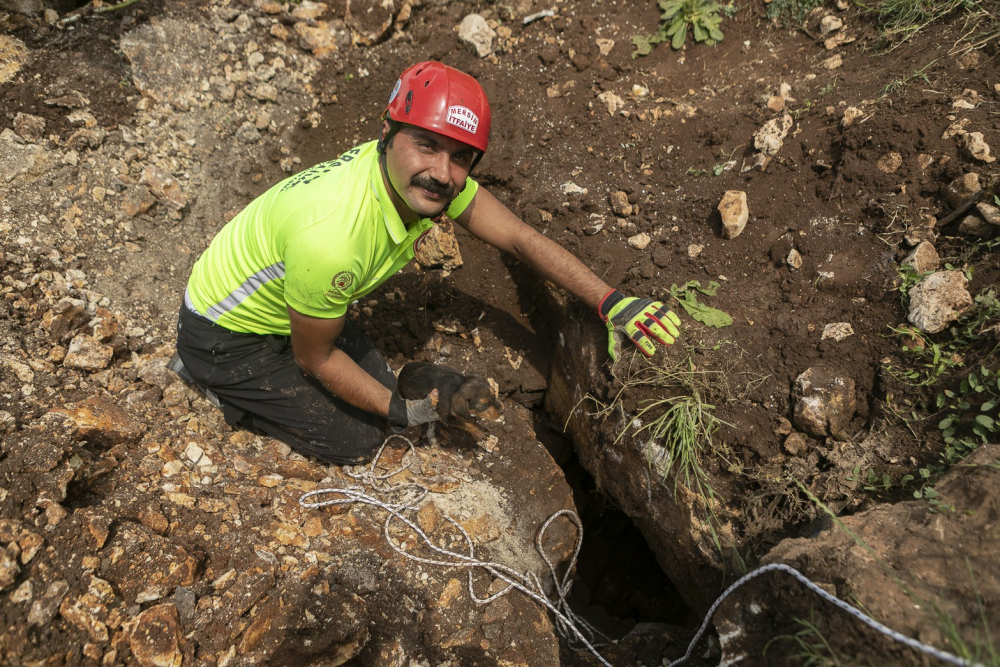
<point>640,320</point>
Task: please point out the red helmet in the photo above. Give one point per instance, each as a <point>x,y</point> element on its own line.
<point>442,99</point>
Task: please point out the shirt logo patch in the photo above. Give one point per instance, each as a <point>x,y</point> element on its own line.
<point>341,283</point>
<point>464,118</point>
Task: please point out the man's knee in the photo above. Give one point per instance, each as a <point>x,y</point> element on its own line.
<point>354,445</point>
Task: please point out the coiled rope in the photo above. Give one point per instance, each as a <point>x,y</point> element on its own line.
<point>570,626</point>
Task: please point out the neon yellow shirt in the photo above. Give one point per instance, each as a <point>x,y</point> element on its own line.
<point>315,241</point>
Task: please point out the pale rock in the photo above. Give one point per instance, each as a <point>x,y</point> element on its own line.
<point>44,609</point>
<point>604,45</point>
<point>694,250</point>
<point>438,247</point>
<point>976,147</point>
<point>775,103</point>
<point>620,204</point>
<point>824,403</point>
<point>23,593</point>
<point>612,101</point>
<point>830,23</point>
<point>247,133</point>
<point>639,241</point>
<point>838,331</point>
<point>924,258</point>
<point>837,39</point>
<point>795,444</point>
<point>13,54</point>
<point>735,213</point>
<point>77,613</point>
<point>769,138</point>
<point>833,62</point>
<point>955,129</point>
<point>938,300</point>
<point>86,353</point>
<point>476,34</point>
<point>967,100</point>
<point>196,455</point>
<point>974,227</point>
<point>890,162</point>
<point>990,213</point>
<point>594,224</point>
<point>794,259</point>
<point>164,187</point>
<point>960,189</point>
<point>924,160</point>
<point>9,567</point>
<point>323,38</point>
<point>851,116</point>
<point>100,421</point>
<point>571,188</point>
<point>28,127</point>
<point>18,159</point>
<point>970,59</point>
<point>242,23</point>
<point>309,11</point>
<point>155,635</point>
<point>264,92</point>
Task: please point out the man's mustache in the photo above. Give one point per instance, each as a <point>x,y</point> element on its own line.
<point>431,185</point>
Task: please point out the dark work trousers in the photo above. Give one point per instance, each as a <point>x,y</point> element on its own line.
<point>262,389</point>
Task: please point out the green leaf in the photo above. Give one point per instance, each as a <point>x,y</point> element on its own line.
<point>700,34</point>
<point>986,421</point>
<point>988,405</point>
<point>678,40</point>
<point>973,380</point>
<point>946,422</point>
<point>940,401</point>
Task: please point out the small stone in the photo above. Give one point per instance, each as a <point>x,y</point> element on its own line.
<point>770,137</point>
<point>242,23</point>
<point>830,24</point>
<point>976,147</point>
<point>924,160</point>
<point>775,103</point>
<point>735,213</point>
<point>837,39</point>
<point>309,11</point>
<point>476,34</point>
<point>612,102</point>
<point>795,444</point>
<point>967,100</point>
<point>794,259</point>
<point>955,129</point>
<point>594,224</point>
<point>990,213</point>
<point>196,455</point>
<point>639,241</point>
<point>154,636</point>
<point>164,187</point>
<point>323,38</point>
<point>247,133</point>
<point>9,567</point>
<point>924,258</point>
<point>694,250</point>
<point>571,188</point>
<point>784,427</point>
<point>270,480</point>
<point>851,115</point>
<point>44,609</point>
<point>921,230</point>
<point>438,247</point>
<point>938,300</point>
<point>28,127</point>
<point>88,354</point>
<point>975,227</point>
<point>23,593</point>
<point>890,162</point>
<point>155,521</point>
<point>825,403</point>
<point>838,331</point>
<point>833,62</point>
<point>960,189</point>
<point>101,421</point>
<point>620,204</point>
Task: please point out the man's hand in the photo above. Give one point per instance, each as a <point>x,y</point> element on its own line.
<point>405,413</point>
<point>639,320</point>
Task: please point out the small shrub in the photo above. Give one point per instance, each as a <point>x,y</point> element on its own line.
<point>702,16</point>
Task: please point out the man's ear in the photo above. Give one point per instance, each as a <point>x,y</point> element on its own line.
<point>385,130</point>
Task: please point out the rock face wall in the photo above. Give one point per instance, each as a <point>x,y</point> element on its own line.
<point>672,523</point>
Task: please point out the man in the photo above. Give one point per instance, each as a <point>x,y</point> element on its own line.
<point>263,327</point>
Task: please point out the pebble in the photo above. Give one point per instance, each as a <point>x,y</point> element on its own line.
<point>694,250</point>
<point>990,213</point>
<point>620,204</point>
<point>833,62</point>
<point>938,300</point>
<point>639,241</point>
<point>960,189</point>
<point>923,258</point>
<point>851,115</point>
<point>477,35</point>
<point>794,259</point>
<point>830,24</point>
<point>88,354</point>
<point>613,102</point>
<point>770,137</point>
<point>838,331</point>
<point>824,403</point>
<point>795,444</point>
<point>890,162</point>
<point>976,147</point>
<point>735,213</point>
<point>571,188</point>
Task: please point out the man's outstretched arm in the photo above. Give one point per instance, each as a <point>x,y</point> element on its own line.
<point>640,320</point>
<point>488,219</point>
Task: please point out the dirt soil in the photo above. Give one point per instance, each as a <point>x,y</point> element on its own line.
<point>183,112</point>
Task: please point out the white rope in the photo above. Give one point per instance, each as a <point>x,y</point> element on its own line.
<point>853,611</point>
<point>567,622</point>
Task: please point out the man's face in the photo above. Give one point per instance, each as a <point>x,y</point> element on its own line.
<point>427,170</point>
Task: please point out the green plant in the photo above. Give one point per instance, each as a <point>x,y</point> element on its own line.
<point>972,414</point>
<point>898,84</point>
<point>791,10</point>
<point>899,20</point>
<point>686,296</point>
<point>813,649</point>
<point>701,16</point>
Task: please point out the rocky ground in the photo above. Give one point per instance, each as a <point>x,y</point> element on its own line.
<point>799,168</point>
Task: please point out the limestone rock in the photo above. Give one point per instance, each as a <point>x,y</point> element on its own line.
<point>990,213</point>
<point>164,187</point>
<point>323,38</point>
<point>735,213</point>
<point>30,128</point>
<point>830,24</point>
<point>9,567</point>
<point>369,21</point>
<point>19,159</point>
<point>476,34</point>
<point>13,52</point>
<point>309,11</point>
<point>769,138</point>
<point>100,421</point>
<point>88,354</point>
<point>164,566</point>
<point>833,62</point>
<point>825,403</point>
<point>794,259</point>
<point>976,147</point>
<point>974,227</point>
<point>438,247</point>
<point>795,444</point>
<point>961,189</point>
<point>938,300</point>
<point>639,241</point>
<point>620,204</point>
<point>920,230</point>
<point>44,609</point>
<point>155,637</point>
<point>612,101</point>
<point>851,115</point>
<point>890,162</point>
<point>838,331</point>
<point>923,258</point>
<point>174,79</point>
<point>571,188</point>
